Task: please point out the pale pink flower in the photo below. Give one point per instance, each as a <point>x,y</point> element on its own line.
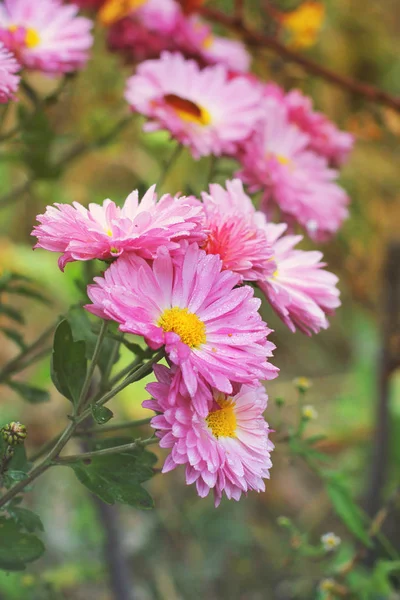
<point>299,181</point>
<point>45,35</point>
<point>235,231</point>
<point>202,109</point>
<point>325,138</point>
<point>209,327</point>
<point>9,81</point>
<point>230,53</point>
<point>300,290</point>
<point>227,450</point>
<point>105,232</point>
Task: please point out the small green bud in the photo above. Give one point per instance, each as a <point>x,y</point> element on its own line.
<point>302,384</point>
<point>279,401</point>
<point>283,522</point>
<point>14,433</point>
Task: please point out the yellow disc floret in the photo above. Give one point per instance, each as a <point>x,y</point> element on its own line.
<point>187,325</point>
<point>222,422</point>
<point>32,38</point>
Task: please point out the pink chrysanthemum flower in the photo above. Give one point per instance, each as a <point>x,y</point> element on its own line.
<point>105,232</point>
<point>208,327</point>
<point>46,35</point>
<point>9,81</point>
<point>230,53</point>
<point>325,138</point>
<point>235,232</point>
<point>202,109</point>
<point>299,181</point>
<point>227,450</point>
<point>300,290</point>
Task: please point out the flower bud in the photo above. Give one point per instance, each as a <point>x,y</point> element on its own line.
<point>327,585</point>
<point>14,433</point>
<point>279,401</point>
<point>283,522</point>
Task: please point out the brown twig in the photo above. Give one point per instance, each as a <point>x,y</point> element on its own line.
<point>256,38</point>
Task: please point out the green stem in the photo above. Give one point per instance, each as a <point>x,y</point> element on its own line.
<point>93,363</point>
<point>164,172</point>
<point>125,371</point>
<point>72,458</point>
<point>140,373</point>
<point>116,427</point>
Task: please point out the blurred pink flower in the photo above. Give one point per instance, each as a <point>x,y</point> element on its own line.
<point>235,232</point>
<point>325,138</point>
<point>9,81</point>
<point>209,328</point>
<point>106,231</point>
<point>202,109</point>
<point>277,160</point>
<point>45,35</point>
<point>227,450</point>
<point>300,290</point>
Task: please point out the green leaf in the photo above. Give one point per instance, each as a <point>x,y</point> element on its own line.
<point>345,507</point>
<point>15,475</point>
<point>101,414</point>
<point>12,313</point>
<point>31,394</point>
<point>81,328</point>
<point>301,448</point>
<point>118,477</point>
<point>68,364</point>
<point>36,132</point>
<point>26,519</point>
<point>17,548</point>
<point>15,336</point>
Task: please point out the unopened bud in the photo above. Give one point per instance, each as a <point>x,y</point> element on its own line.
<point>283,522</point>
<point>302,384</point>
<point>309,413</point>
<point>279,401</point>
<point>14,433</point>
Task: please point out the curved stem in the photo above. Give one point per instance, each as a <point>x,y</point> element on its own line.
<point>72,458</point>
<point>93,363</point>
<point>256,38</point>
<point>116,427</point>
<point>175,154</point>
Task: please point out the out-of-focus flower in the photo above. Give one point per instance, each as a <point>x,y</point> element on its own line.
<point>9,80</point>
<point>202,109</point>
<point>47,36</point>
<point>330,541</point>
<point>303,24</point>
<point>234,232</point>
<point>299,181</point>
<point>105,232</point>
<point>302,384</point>
<point>325,138</point>
<point>89,4</point>
<point>221,50</point>
<point>209,327</point>
<point>227,450</point>
<point>327,585</point>
<point>190,6</point>
<point>300,291</point>
<point>309,413</point>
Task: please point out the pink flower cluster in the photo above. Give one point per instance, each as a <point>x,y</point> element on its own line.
<point>149,27</point>
<point>44,35</point>
<point>286,150</point>
<point>178,278</point>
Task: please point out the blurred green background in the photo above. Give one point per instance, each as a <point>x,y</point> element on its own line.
<point>185,549</point>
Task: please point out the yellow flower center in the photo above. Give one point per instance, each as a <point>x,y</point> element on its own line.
<point>187,325</point>
<point>208,41</point>
<point>114,10</point>
<point>222,422</point>
<point>282,159</point>
<point>32,37</point>
<point>109,232</point>
<point>188,110</point>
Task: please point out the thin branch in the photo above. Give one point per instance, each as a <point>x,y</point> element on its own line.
<point>256,38</point>
<point>116,427</point>
<point>15,365</point>
<point>87,456</point>
<point>93,363</point>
